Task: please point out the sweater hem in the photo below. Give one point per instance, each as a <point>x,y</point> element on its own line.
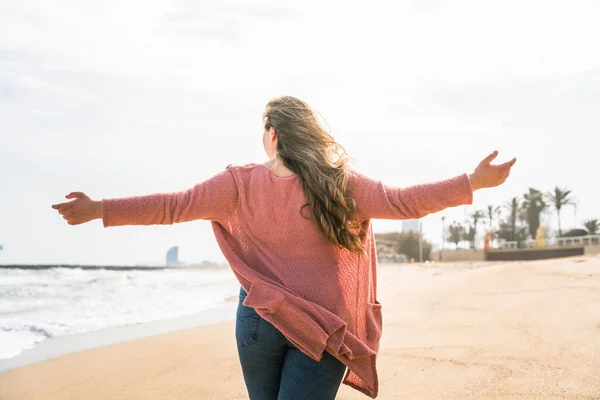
<point>280,308</point>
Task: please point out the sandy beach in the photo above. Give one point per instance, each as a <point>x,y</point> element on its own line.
<point>520,330</point>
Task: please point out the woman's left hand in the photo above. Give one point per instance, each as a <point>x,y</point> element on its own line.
<point>79,211</point>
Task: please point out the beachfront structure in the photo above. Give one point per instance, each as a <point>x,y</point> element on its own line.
<point>529,249</point>
<point>534,250</point>
<point>173,256</point>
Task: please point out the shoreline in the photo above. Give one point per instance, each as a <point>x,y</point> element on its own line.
<point>69,344</point>
<point>74,343</point>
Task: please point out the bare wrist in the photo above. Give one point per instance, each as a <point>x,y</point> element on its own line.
<point>475,184</point>
<point>98,209</point>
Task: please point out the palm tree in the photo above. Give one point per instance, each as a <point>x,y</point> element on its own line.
<point>491,211</point>
<point>534,205</point>
<point>475,217</point>
<point>559,198</point>
<point>513,207</point>
<point>456,233</point>
<point>592,226</point>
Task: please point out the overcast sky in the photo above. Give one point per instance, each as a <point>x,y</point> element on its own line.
<point>134,97</point>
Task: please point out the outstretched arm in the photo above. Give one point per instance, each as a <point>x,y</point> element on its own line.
<point>375,200</point>
<point>213,199</point>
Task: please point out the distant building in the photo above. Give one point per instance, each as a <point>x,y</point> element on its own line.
<point>411,225</point>
<point>173,256</point>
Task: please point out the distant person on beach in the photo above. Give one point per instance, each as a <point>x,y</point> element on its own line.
<point>297,234</point>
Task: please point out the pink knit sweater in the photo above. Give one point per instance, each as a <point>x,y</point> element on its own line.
<point>322,298</point>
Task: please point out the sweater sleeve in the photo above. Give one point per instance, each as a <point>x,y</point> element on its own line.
<point>376,200</point>
<point>213,199</point>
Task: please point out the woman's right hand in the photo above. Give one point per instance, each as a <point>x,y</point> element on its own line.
<point>79,211</point>
<point>487,175</point>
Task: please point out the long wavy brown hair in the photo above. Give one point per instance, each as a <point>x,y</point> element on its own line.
<point>308,150</point>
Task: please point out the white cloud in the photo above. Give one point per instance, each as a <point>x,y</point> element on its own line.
<point>131,97</point>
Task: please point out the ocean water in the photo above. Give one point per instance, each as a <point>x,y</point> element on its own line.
<point>36,305</point>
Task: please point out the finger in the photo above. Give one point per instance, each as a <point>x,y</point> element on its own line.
<point>508,164</point>
<point>71,221</point>
<point>62,206</point>
<point>75,195</point>
<point>490,158</point>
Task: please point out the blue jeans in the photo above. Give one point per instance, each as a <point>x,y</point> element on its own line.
<point>274,369</point>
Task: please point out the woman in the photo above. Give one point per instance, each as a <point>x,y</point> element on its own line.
<point>297,234</point>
